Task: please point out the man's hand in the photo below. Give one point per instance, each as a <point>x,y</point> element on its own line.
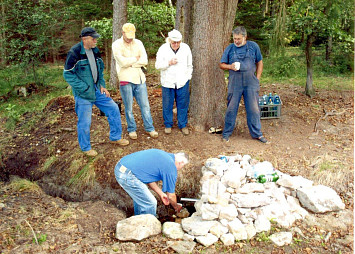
<point>173,61</point>
<point>178,208</point>
<point>165,199</point>
<point>105,91</point>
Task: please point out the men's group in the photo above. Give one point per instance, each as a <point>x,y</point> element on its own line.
<point>84,69</point>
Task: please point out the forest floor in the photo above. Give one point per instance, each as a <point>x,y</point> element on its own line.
<point>79,202</point>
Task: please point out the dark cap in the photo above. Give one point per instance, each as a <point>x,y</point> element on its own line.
<point>89,31</point>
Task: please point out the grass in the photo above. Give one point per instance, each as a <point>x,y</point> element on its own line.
<point>19,185</point>
<point>85,177</point>
<point>292,69</point>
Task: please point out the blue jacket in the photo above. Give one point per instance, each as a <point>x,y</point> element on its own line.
<point>77,72</point>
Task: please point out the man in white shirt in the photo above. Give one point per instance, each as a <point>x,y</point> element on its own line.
<point>130,56</point>
<point>174,60</point>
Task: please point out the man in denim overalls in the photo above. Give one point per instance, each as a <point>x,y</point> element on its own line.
<point>243,59</point>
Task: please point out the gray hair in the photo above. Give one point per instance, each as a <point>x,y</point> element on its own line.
<point>240,30</point>
<point>182,157</point>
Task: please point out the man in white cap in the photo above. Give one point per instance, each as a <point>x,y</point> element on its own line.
<point>174,60</point>
<point>130,56</point>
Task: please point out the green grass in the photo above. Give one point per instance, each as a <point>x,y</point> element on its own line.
<point>292,69</point>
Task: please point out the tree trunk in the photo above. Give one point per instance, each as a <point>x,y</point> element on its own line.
<point>118,20</point>
<point>328,48</point>
<point>2,35</point>
<point>212,27</point>
<point>309,58</point>
<point>183,20</point>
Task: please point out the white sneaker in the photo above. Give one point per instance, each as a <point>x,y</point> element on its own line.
<point>132,135</point>
<point>91,153</point>
<point>185,131</point>
<point>167,130</point>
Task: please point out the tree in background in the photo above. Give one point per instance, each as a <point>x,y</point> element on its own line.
<point>30,32</point>
<point>314,19</point>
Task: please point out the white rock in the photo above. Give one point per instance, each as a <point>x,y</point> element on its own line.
<point>320,199</point>
<point>217,166</point>
<point>279,213</point>
<point>196,226</point>
<point>251,231</point>
<point>229,213</point>
<point>228,239</point>
<point>230,190</point>
<point>251,187</point>
<point>138,227</point>
<point>295,207</point>
<point>251,199</point>
<point>207,240</point>
<point>210,211</point>
<point>237,228</point>
<point>188,237</point>
<point>210,187</point>
<point>180,246</point>
<point>281,238</point>
<point>294,182</point>
<point>262,223</point>
<point>218,229</point>
<point>173,230</point>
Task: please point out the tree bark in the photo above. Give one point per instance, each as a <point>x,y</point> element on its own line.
<point>211,33</point>
<point>2,35</point>
<point>328,48</point>
<point>118,20</point>
<point>183,20</point>
<point>309,58</point>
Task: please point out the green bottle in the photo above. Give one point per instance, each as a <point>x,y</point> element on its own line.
<point>268,178</point>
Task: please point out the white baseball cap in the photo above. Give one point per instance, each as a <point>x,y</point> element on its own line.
<point>175,35</point>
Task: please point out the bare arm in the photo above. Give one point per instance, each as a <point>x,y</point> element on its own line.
<point>173,202</point>
<point>259,69</point>
<point>225,66</point>
<point>154,186</point>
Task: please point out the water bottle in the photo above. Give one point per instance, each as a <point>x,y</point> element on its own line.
<point>268,178</point>
<point>277,99</point>
<point>261,101</point>
<point>270,100</point>
<point>264,99</point>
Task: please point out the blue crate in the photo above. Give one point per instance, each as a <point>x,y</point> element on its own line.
<point>270,111</point>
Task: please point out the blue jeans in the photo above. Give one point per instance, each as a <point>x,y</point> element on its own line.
<point>140,93</point>
<point>182,98</point>
<point>251,96</point>
<point>83,109</point>
<point>144,201</point>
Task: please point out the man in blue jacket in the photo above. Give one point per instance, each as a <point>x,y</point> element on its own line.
<point>136,171</point>
<point>83,71</point>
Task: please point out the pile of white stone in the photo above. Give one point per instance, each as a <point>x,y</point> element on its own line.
<point>234,206</point>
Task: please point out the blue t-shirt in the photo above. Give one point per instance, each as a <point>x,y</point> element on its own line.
<point>234,54</point>
<point>153,165</point>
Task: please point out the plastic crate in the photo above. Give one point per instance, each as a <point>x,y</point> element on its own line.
<point>270,111</point>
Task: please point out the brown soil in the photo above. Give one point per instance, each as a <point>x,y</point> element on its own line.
<point>313,138</point>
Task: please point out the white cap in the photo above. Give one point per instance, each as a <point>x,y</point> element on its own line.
<point>175,35</point>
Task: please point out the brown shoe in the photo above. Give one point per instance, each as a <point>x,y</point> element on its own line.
<point>167,130</point>
<point>90,153</point>
<point>185,131</point>
<point>153,134</point>
<point>132,135</point>
<point>121,142</point>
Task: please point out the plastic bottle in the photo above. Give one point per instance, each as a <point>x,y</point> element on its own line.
<point>270,99</point>
<point>277,99</point>
<point>268,178</point>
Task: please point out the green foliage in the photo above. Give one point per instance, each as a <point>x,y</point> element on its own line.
<point>40,238</point>
<point>29,28</point>
<point>153,22</point>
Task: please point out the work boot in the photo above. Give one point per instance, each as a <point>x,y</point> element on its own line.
<point>167,130</point>
<point>153,134</point>
<point>90,153</point>
<point>133,135</point>
<point>121,142</point>
<point>185,131</point>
